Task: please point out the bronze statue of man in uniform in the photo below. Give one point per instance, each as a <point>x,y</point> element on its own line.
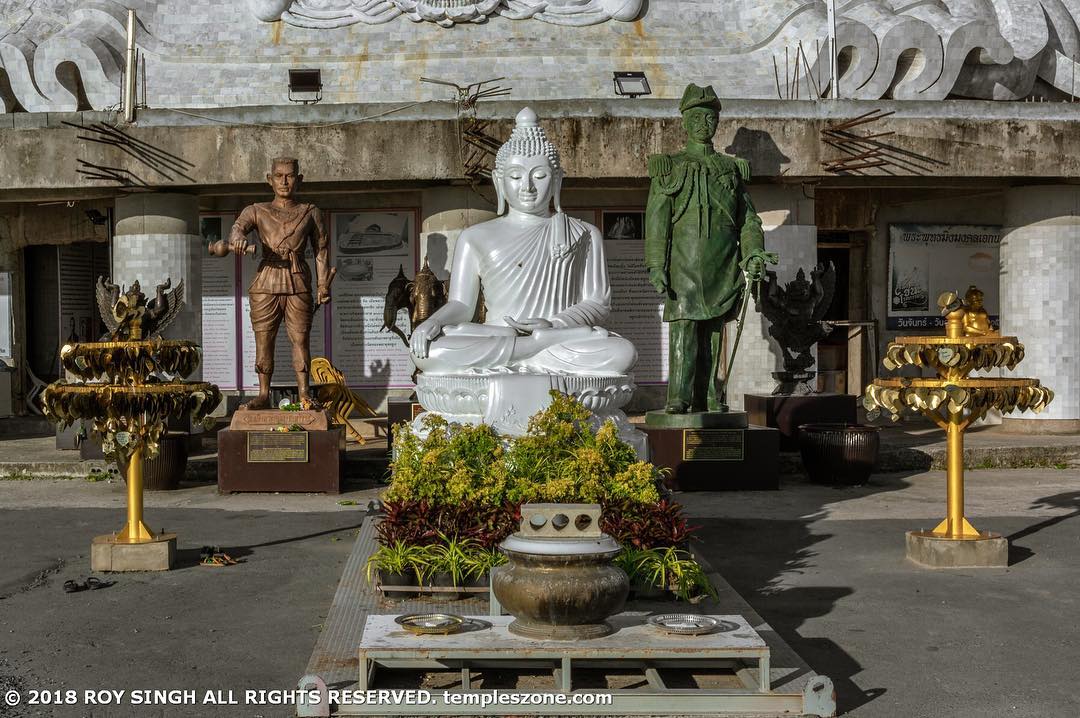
<point>282,286</point>
<point>701,236</point>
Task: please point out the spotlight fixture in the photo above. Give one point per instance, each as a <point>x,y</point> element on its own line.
<point>631,84</point>
<point>305,82</point>
<point>96,217</point>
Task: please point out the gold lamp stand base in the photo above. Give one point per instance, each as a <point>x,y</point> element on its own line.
<point>930,549</point>
<point>137,532</point>
<point>134,547</point>
<point>113,553</point>
<point>964,532</point>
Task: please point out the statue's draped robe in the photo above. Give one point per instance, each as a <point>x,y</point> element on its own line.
<point>552,269</point>
<point>700,226</point>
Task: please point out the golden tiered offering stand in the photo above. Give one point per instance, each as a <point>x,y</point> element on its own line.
<point>120,394</point>
<point>953,400</point>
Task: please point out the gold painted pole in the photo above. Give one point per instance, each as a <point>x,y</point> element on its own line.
<point>955,526</point>
<point>135,531</point>
<point>955,500</point>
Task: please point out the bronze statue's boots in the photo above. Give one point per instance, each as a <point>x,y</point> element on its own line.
<point>259,402</point>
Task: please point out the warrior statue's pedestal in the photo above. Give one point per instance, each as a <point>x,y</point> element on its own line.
<point>276,450</point>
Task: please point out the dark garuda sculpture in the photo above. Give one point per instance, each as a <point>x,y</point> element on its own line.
<point>795,312</point>
<point>127,314</point>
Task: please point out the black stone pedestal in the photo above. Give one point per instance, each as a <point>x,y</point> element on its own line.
<point>716,459</point>
<point>787,411</point>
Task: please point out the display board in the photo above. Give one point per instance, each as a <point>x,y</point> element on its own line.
<point>368,248</point>
<point>220,319</point>
<point>637,310</point>
<point>928,259</point>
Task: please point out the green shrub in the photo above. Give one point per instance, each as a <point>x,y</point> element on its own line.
<point>560,459</point>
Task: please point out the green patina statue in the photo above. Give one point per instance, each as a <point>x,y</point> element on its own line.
<point>703,243</point>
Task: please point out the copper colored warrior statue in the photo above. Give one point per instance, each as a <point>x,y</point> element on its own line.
<point>282,286</point>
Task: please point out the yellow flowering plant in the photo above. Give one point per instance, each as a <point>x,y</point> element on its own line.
<point>463,482</point>
<point>561,458</point>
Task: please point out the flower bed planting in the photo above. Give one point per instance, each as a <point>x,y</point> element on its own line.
<point>455,495</point>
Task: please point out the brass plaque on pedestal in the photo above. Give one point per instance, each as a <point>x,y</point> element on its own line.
<point>277,447</point>
<point>713,444</point>
<point>269,419</point>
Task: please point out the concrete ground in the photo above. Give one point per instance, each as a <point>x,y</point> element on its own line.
<point>824,566</point>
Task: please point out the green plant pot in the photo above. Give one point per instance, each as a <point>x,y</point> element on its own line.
<point>387,578</point>
<point>443,579</point>
<point>645,591</point>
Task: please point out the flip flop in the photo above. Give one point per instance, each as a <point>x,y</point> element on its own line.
<point>94,583</point>
<point>71,586</point>
<point>219,559</point>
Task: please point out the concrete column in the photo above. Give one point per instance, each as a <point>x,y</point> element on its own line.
<point>787,216</point>
<point>1040,296</point>
<point>157,238</point>
<point>446,212</point>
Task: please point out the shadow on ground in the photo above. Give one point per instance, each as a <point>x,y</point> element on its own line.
<point>758,556</point>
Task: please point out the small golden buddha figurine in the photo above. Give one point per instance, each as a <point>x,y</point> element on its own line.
<point>976,320</point>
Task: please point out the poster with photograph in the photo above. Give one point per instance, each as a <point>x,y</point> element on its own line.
<point>369,249</point>
<point>637,310</point>
<point>622,225</point>
<point>928,259</point>
<point>221,360</point>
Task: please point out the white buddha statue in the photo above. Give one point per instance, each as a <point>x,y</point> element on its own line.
<point>546,291</point>
<point>544,278</point>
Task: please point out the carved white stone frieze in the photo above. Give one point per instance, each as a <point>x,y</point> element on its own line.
<point>214,54</point>
<point>339,13</point>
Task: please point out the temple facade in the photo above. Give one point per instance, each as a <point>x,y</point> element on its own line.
<point>939,156</point>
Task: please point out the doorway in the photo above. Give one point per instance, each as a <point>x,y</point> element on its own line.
<point>841,355</point>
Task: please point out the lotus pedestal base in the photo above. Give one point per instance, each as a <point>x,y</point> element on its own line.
<point>930,550</point>
<point>506,401</point>
<point>107,553</point>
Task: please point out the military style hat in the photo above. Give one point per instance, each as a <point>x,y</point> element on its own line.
<point>694,96</point>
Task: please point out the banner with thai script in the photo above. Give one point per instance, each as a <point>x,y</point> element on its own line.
<point>926,260</point>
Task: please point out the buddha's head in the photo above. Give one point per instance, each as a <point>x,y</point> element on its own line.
<point>285,177</point>
<point>974,297</point>
<point>528,174</point>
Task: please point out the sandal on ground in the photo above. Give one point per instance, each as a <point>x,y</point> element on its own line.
<point>218,558</point>
<point>71,586</point>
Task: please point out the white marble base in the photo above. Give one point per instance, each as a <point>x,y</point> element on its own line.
<point>506,401</point>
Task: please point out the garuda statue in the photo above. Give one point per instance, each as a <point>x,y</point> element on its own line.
<point>127,314</point>
<point>795,313</point>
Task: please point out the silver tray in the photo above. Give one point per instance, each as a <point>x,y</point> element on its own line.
<point>430,623</point>
<point>686,624</point>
